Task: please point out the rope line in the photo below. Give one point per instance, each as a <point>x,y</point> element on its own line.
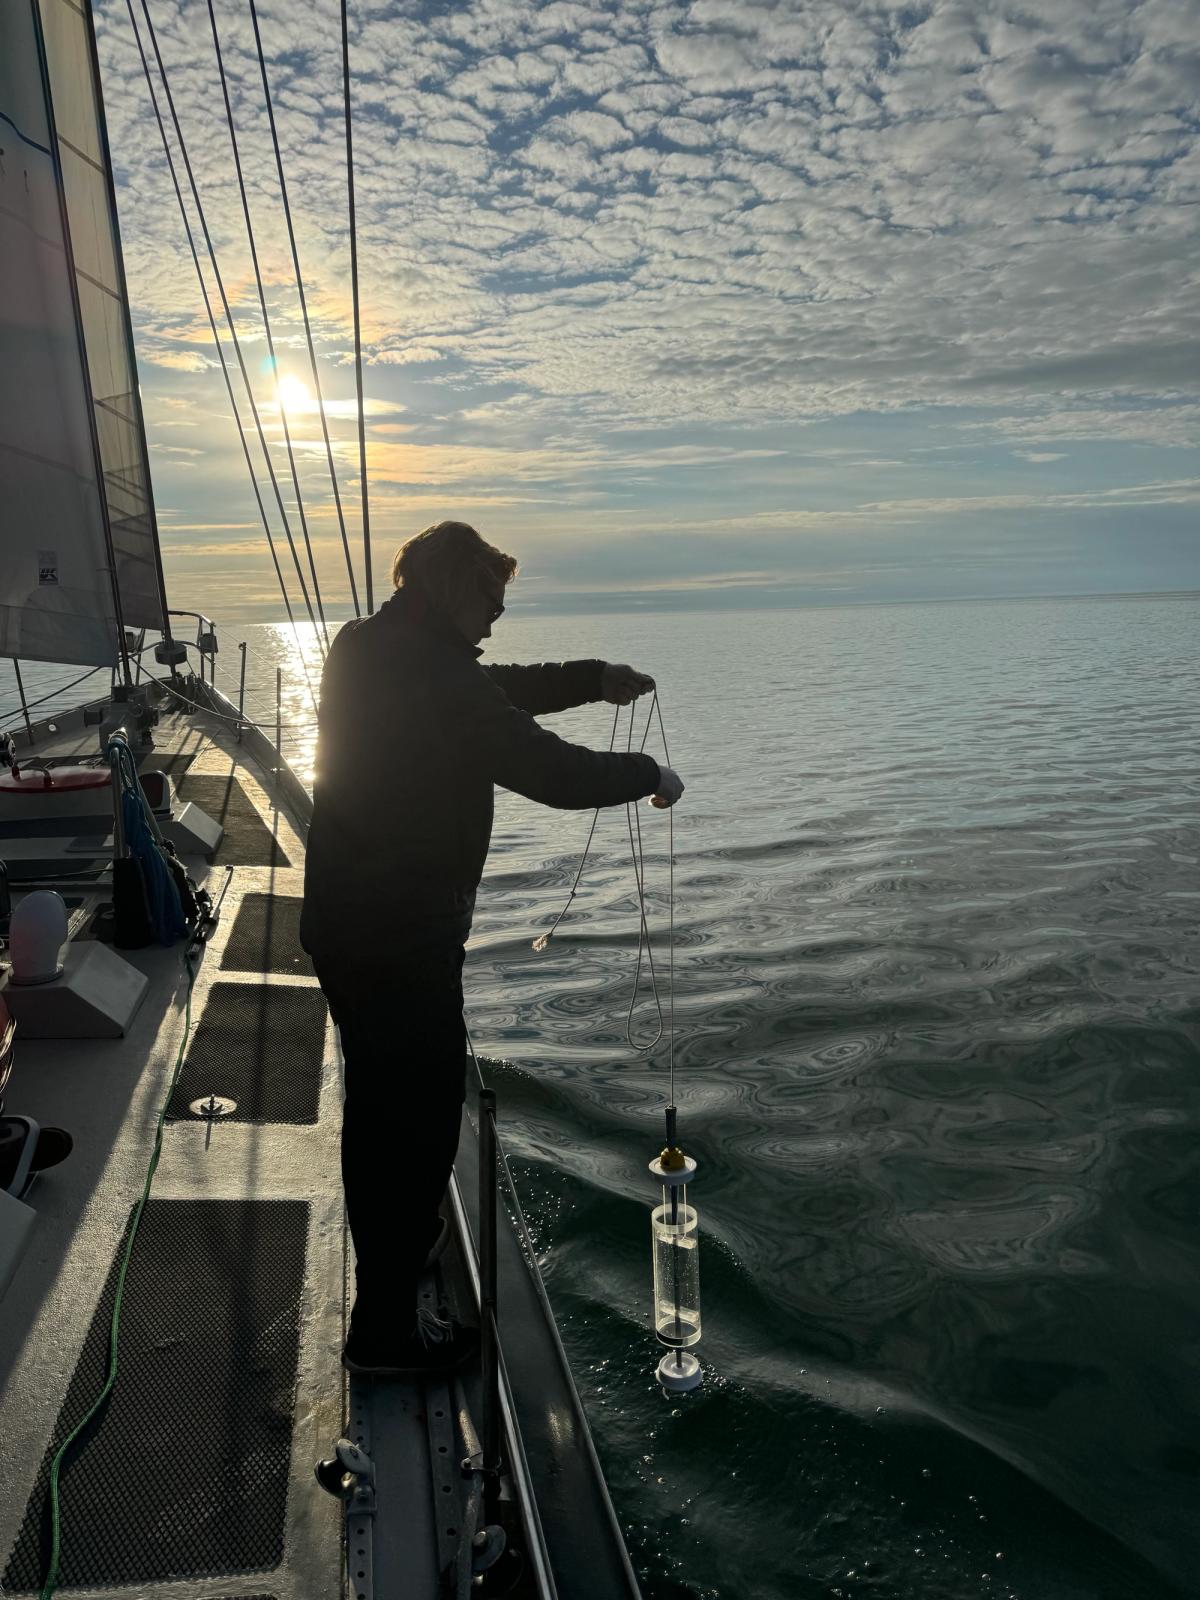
<point>637,853</point>
<point>633,820</point>
<point>358,375</point>
<point>262,303</point>
<point>212,322</point>
<point>312,354</point>
<point>287,527</point>
<point>540,944</point>
<point>656,708</point>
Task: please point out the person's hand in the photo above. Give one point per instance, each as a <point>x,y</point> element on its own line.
<point>620,685</point>
<point>670,787</point>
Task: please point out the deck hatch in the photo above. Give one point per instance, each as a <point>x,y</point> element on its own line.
<point>266,936</point>
<point>185,1473</point>
<point>261,1045</point>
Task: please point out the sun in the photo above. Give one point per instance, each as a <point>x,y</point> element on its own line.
<point>294,396</point>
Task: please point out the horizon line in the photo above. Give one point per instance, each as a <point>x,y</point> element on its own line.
<point>525,610</point>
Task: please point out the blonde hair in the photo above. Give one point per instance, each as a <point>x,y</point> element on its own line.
<point>447,558</point>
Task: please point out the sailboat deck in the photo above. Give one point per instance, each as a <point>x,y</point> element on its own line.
<point>200,1477</point>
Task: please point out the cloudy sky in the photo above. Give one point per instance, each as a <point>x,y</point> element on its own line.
<point>712,303</point>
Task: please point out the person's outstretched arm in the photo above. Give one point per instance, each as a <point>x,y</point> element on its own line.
<point>550,685</point>
<point>519,754</point>
<point>557,686</point>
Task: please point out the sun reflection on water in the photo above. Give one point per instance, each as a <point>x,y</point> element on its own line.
<point>297,653</point>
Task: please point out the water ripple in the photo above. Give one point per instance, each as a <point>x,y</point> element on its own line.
<point>937,950</point>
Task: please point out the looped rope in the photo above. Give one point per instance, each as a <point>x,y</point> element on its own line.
<point>634,823</point>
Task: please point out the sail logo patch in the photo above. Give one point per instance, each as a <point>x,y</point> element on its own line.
<point>47,567</point>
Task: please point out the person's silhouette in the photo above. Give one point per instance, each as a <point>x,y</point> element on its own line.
<point>413,734</point>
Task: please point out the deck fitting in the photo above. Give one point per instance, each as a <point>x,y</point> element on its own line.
<point>212,1106</point>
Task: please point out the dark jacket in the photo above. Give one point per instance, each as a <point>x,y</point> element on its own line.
<point>412,735</point>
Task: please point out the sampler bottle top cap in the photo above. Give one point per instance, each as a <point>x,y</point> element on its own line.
<point>669,1173</point>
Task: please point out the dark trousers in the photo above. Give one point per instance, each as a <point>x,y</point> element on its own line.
<point>404,1049</point>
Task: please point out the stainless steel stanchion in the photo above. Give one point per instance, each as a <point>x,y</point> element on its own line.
<point>278,720</point>
<point>241,692</point>
<point>21,690</point>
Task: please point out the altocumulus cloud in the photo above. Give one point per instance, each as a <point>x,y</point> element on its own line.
<point>579,220</point>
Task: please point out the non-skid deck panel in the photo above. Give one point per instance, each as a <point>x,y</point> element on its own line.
<point>248,842</point>
<point>176,762</point>
<point>260,1045</point>
<point>184,1473</point>
<point>266,936</point>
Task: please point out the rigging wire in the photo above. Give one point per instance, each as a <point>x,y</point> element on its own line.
<point>234,721</point>
<point>262,302</point>
<point>287,527</point>
<point>212,322</point>
<point>358,376</point>
<point>31,705</point>
<point>312,354</point>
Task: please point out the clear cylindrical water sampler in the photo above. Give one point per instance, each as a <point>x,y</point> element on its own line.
<point>676,1246</point>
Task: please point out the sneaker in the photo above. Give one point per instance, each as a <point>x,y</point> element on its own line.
<point>433,1345</point>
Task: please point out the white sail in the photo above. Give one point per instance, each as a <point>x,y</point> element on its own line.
<point>77,532</point>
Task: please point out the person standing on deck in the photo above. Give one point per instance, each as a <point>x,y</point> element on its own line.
<point>413,733</point>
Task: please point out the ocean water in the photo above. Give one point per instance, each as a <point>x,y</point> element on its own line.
<point>937,1054</point>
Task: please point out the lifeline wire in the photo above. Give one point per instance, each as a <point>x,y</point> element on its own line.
<point>48,1587</point>
<point>522,1225</point>
<point>30,705</point>
<point>212,322</point>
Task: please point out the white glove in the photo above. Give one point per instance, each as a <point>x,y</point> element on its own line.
<point>670,787</point>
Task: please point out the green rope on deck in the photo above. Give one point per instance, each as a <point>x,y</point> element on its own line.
<point>49,1585</point>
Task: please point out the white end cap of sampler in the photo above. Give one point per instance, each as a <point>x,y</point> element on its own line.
<point>679,1371</point>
